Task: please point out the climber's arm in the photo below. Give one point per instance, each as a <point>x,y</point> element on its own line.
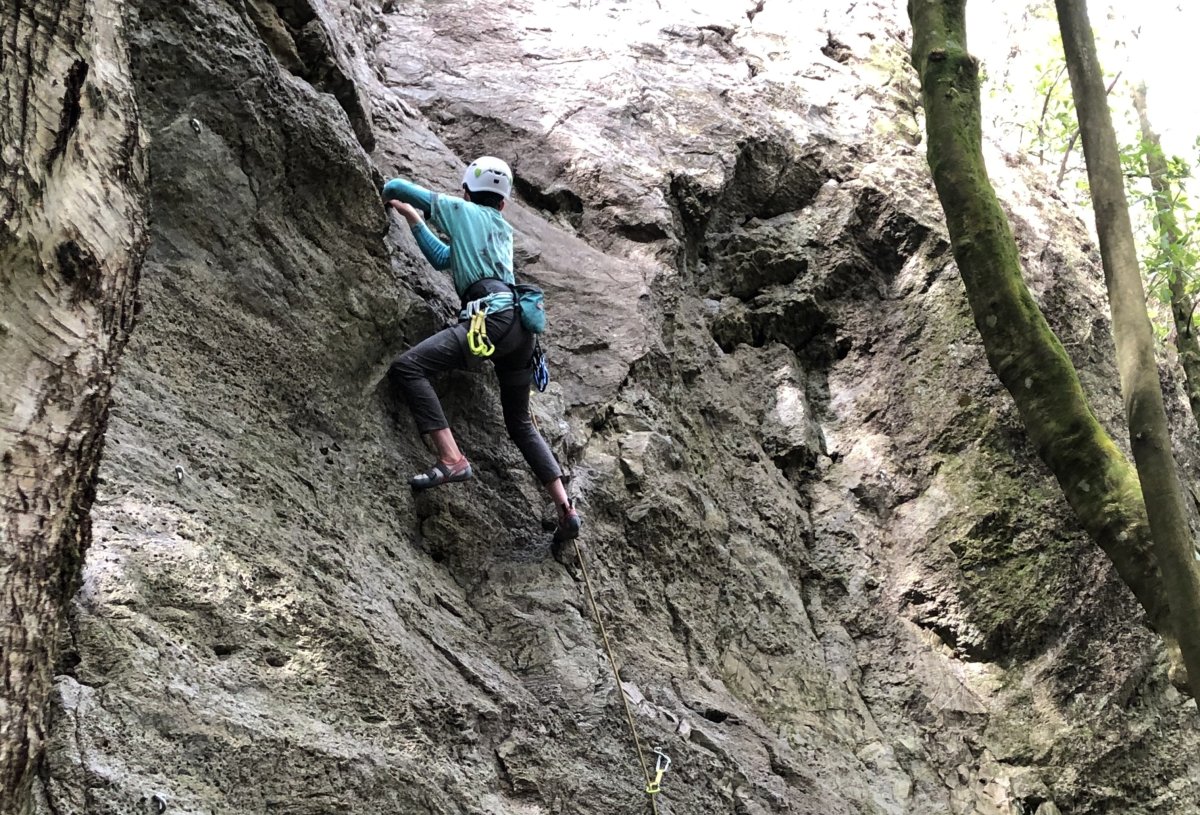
<point>399,189</point>
<point>436,252</point>
<point>412,201</point>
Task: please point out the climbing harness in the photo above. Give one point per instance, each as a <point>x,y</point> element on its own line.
<point>663,762</point>
<point>541,371</point>
<point>481,345</point>
<point>477,311</point>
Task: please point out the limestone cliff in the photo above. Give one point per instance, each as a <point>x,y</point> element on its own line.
<point>836,577</point>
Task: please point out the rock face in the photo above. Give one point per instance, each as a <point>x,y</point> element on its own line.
<point>834,574</point>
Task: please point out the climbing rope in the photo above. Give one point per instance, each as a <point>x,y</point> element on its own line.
<point>663,762</point>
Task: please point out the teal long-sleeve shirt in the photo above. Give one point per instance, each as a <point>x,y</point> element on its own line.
<point>436,252</point>
<point>480,239</point>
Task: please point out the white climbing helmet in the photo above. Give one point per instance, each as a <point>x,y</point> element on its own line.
<point>488,174</point>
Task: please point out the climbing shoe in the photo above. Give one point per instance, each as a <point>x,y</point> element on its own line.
<point>569,524</point>
<point>441,473</point>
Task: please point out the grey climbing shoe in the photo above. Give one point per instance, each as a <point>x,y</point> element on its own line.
<point>440,474</point>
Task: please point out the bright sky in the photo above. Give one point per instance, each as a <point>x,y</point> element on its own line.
<point>1165,53</point>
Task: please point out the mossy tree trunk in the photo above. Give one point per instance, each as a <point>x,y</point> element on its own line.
<point>1148,431</point>
<point>71,243</point>
<point>1183,306</point>
<point>1096,478</point>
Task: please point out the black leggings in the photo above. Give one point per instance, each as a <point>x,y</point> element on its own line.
<point>513,360</point>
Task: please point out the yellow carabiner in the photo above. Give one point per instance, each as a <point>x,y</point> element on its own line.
<point>477,338</point>
<point>661,765</point>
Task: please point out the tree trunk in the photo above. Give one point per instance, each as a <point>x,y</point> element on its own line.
<point>1149,436</point>
<point>1167,226</point>
<point>71,244</point>
<point>1096,478</point>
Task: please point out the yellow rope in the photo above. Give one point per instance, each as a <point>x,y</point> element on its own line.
<point>651,789</point>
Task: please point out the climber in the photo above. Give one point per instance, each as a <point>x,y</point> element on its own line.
<point>480,260</point>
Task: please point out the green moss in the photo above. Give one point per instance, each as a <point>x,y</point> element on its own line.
<point>1016,564</point>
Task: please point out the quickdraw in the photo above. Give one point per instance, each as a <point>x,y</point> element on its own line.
<point>541,371</point>
<point>661,765</point>
<point>477,338</point>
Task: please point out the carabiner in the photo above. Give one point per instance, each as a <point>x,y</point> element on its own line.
<point>661,765</point>
<point>477,338</point>
<point>541,371</point>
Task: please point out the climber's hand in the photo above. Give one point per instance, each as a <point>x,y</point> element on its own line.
<point>409,212</point>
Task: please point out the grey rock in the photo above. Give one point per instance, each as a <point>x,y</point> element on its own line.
<point>831,568</point>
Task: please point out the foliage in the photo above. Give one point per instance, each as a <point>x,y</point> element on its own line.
<point>1042,118</point>
<point>1054,132</point>
<point>1168,228</point>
